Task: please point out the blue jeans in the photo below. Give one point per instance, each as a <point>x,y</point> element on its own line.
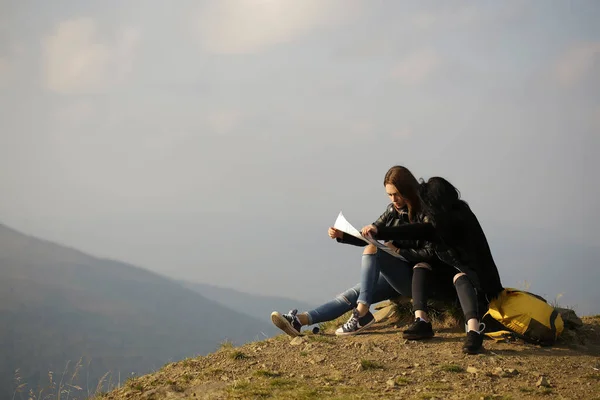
<point>384,276</point>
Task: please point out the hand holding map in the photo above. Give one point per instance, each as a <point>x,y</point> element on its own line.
<point>342,224</point>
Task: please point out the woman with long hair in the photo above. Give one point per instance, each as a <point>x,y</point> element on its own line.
<point>383,276</point>
<point>453,231</point>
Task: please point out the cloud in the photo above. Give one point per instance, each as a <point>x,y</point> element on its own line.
<point>446,18</point>
<point>77,60</point>
<point>416,67</point>
<point>250,26</point>
<point>576,63</point>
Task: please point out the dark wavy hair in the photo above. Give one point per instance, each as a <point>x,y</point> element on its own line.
<point>444,208</point>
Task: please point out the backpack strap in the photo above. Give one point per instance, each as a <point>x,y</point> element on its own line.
<point>502,336</point>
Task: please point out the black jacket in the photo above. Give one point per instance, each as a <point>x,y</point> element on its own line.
<point>468,251</point>
<point>412,250</point>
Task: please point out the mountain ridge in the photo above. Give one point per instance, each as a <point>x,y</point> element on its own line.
<point>257,306</point>
<point>59,304</point>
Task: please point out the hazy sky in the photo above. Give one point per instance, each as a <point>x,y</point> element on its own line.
<point>217,140</point>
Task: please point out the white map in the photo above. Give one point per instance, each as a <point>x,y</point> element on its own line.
<point>342,224</point>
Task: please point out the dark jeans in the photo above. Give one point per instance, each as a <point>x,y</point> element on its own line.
<point>392,278</point>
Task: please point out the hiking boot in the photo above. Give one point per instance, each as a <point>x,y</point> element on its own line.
<point>356,324</point>
<point>474,341</point>
<point>418,330</point>
<point>288,323</point>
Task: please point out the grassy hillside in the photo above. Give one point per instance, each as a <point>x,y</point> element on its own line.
<point>380,364</point>
<point>58,304</point>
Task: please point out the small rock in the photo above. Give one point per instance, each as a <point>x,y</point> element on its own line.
<point>512,372</point>
<point>542,382</point>
<point>298,340</point>
<point>381,305</point>
<point>391,383</point>
<point>384,313</point>
<point>319,359</point>
<point>472,370</point>
<point>570,319</point>
<point>378,349</point>
<point>150,393</point>
<point>224,378</point>
<point>417,365</point>
<point>498,371</point>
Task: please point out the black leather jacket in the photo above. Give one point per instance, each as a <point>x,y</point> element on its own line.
<point>469,253</point>
<point>413,251</point>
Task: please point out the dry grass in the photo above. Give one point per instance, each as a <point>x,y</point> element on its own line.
<point>65,388</point>
<point>442,315</point>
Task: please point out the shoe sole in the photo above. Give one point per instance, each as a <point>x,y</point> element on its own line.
<point>356,332</point>
<point>465,351</point>
<point>283,324</point>
<point>417,337</point>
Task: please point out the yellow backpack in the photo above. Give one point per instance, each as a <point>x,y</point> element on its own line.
<point>518,314</point>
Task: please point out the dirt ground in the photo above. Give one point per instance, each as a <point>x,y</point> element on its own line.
<point>381,364</point>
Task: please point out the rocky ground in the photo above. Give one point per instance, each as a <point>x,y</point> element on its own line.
<point>380,364</point>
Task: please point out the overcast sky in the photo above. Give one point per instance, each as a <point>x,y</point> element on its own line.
<point>217,140</point>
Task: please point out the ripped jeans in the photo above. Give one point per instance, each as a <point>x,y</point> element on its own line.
<point>388,277</point>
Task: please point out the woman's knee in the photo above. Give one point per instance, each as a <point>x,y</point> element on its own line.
<point>458,276</point>
<point>370,249</point>
<point>422,265</point>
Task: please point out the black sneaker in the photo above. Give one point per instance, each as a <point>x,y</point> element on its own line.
<point>355,324</point>
<point>418,330</point>
<point>474,341</point>
<point>288,323</point>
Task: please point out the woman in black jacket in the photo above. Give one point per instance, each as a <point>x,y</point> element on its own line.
<point>457,238</point>
<point>383,276</point>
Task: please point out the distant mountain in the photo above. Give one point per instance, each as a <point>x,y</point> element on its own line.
<point>256,306</point>
<point>58,305</point>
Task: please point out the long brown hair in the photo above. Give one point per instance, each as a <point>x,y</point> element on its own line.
<point>408,187</point>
